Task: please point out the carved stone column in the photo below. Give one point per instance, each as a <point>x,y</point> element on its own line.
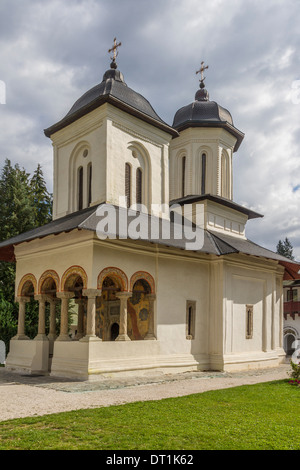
<point>91,294</point>
<point>80,303</point>
<point>41,336</point>
<point>21,319</point>
<point>64,313</point>
<point>150,335</point>
<point>123,296</point>
<point>52,324</point>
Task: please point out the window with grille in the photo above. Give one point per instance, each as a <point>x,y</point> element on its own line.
<point>128,184</point>
<point>190,319</point>
<point>203,173</point>
<point>139,184</point>
<point>89,184</point>
<point>80,188</point>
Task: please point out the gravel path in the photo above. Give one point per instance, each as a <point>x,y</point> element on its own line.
<point>23,396</point>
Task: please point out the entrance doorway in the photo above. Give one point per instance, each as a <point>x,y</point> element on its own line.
<point>114,331</point>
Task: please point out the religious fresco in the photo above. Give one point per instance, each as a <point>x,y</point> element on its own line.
<point>108,311</point>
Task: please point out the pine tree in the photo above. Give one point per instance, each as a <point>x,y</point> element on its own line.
<point>285,248</point>
<point>42,200</point>
<point>24,204</point>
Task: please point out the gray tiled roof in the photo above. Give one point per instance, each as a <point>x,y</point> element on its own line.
<point>112,90</point>
<point>87,219</point>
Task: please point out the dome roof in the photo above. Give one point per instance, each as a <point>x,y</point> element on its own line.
<point>205,113</point>
<point>113,90</point>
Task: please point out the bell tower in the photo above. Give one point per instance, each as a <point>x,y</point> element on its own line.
<point>201,164</point>
<point>201,157</point>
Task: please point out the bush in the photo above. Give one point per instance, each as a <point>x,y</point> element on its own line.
<point>295,374</point>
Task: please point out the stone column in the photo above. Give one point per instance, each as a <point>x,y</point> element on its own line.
<point>52,324</point>
<point>150,334</point>
<point>21,320</point>
<point>80,303</point>
<point>91,294</point>
<point>64,312</point>
<point>123,296</point>
<point>41,336</point>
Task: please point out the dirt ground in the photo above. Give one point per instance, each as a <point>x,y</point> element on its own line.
<point>23,395</point>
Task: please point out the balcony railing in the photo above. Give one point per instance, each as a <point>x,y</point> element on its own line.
<point>292,306</point>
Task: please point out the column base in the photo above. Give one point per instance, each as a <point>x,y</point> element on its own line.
<point>90,338</point>
<point>20,338</point>
<point>63,338</point>
<point>123,337</point>
<point>41,337</point>
<point>150,336</point>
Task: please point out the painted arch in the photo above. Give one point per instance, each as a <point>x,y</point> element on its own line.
<point>50,274</point>
<point>25,283</point>
<point>116,274</point>
<point>74,271</point>
<point>142,275</point>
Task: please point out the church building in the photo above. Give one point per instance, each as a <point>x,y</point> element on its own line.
<point>129,192</point>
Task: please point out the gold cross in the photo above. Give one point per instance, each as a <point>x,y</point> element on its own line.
<point>114,49</point>
<point>202,70</point>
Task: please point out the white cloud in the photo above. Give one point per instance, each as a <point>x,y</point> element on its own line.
<point>52,52</point>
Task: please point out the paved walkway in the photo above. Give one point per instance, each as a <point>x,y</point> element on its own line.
<point>23,395</point>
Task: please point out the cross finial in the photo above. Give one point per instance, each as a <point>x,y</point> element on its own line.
<point>114,49</point>
<point>201,71</point>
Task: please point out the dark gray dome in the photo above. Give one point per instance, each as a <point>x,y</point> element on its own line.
<point>113,90</point>
<point>199,112</point>
<point>205,113</point>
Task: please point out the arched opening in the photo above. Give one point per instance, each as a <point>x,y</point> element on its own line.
<point>203,173</point>
<point>289,340</point>
<point>139,186</point>
<point>183,171</point>
<point>138,310</point>
<point>80,188</point>
<point>108,309</point>
<point>75,282</point>
<point>128,184</point>
<point>114,331</point>
<point>225,175</point>
<point>89,183</point>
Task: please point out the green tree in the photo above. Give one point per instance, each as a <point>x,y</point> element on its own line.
<point>24,205</point>
<point>41,199</point>
<point>285,248</point>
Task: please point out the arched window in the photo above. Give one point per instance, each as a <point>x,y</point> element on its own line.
<point>89,185</point>
<point>203,173</point>
<point>183,167</point>
<point>80,188</point>
<point>225,175</point>
<point>139,185</point>
<point>128,184</point>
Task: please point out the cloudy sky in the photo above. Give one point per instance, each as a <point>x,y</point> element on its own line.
<point>52,51</point>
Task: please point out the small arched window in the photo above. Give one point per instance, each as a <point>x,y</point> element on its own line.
<point>139,185</point>
<point>80,188</point>
<point>203,173</point>
<point>128,184</point>
<point>90,172</point>
<point>183,168</point>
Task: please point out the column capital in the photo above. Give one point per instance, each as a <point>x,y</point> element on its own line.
<point>22,299</point>
<point>41,297</point>
<point>65,295</point>
<point>123,295</point>
<point>150,296</point>
<point>91,293</point>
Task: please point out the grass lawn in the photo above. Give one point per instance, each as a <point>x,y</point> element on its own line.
<point>263,416</point>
